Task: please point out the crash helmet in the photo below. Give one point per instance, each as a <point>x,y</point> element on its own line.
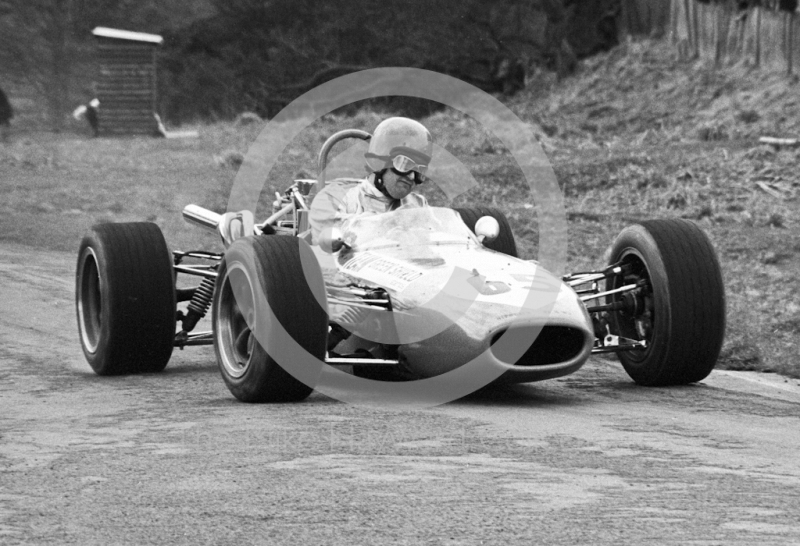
<point>401,144</point>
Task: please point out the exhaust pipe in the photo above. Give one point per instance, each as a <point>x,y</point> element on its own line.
<point>204,218</point>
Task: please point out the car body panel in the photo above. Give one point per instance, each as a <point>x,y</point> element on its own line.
<point>452,297</point>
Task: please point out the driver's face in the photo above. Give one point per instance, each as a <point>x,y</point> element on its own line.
<point>398,186</point>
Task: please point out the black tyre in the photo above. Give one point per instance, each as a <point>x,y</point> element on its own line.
<point>125,298</point>
<point>505,241</point>
<point>681,310</point>
<point>282,272</point>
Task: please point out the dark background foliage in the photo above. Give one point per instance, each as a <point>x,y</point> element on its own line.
<point>222,57</point>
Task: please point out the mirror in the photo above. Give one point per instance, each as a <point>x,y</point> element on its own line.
<point>487,229</point>
<point>330,240</point>
<point>304,185</point>
<point>234,225</point>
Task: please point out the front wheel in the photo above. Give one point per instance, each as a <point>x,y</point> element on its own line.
<point>679,309</point>
<point>125,298</point>
<point>269,315</point>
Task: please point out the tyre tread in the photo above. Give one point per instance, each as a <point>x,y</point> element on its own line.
<point>696,302</point>
<point>296,308</point>
<point>137,267</point>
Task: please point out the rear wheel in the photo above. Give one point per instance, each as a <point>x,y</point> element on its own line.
<point>679,309</point>
<point>263,280</point>
<point>125,298</point>
<point>505,241</point>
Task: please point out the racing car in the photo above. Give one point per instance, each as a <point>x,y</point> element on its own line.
<point>402,296</point>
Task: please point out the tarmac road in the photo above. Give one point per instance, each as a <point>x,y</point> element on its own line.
<point>173,458</point>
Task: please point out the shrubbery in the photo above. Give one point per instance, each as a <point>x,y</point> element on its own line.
<point>258,56</point>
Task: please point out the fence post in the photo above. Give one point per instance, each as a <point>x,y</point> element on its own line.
<point>687,13</point>
<point>717,35</point>
<point>701,26</point>
<point>724,36</point>
<point>673,20</point>
<point>696,30</point>
<point>789,42</point>
<point>758,35</point>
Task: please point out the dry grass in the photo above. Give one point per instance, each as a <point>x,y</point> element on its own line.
<point>629,138</point>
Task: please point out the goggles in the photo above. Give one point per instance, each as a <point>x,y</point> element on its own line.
<point>401,162</point>
<point>404,164</point>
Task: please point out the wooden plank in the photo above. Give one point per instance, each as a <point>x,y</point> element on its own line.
<point>126,68</point>
<point>130,126</point>
<point>121,54</point>
<point>142,61</point>
<point>129,123</point>
<point>117,106</point>
<point>128,116</point>
<point>127,94</point>
<point>123,82</point>
<point>127,107</point>
<point>767,189</point>
<point>123,100</point>
<point>125,89</point>
<point>786,142</point>
<point>136,132</point>
<point>126,71</point>
<point>129,120</point>
<point>133,114</point>
<point>127,48</point>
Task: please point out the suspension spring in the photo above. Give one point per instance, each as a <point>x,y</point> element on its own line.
<point>198,307</point>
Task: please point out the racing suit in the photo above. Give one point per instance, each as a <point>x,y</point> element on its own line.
<point>367,198</point>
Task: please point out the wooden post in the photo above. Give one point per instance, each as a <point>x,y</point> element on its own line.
<point>723,37</point>
<point>686,9</point>
<point>634,17</point>
<point>701,25</point>
<point>673,20</point>
<point>695,31</point>
<point>758,35</point>
<point>789,42</point>
<point>717,18</point>
<point>741,34</point>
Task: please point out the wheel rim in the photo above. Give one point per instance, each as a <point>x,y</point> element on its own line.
<point>90,301</point>
<point>235,315</point>
<point>637,320</point>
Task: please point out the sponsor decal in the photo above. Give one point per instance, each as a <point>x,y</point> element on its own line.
<point>381,270</point>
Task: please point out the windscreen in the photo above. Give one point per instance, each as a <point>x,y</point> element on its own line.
<point>407,226</point>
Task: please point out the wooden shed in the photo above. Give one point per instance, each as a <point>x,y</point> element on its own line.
<point>126,85</point>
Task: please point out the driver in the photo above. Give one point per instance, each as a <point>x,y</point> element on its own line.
<point>398,156</point>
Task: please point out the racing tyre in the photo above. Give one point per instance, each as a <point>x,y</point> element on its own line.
<point>680,311</point>
<point>505,241</point>
<point>269,312</point>
<point>125,298</point>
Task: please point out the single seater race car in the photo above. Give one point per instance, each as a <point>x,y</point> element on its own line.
<point>401,296</point>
